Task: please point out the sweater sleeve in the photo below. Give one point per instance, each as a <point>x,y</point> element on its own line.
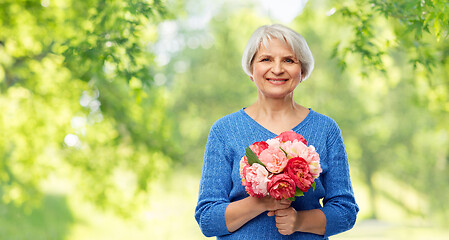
<point>215,186</point>
<point>339,204</point>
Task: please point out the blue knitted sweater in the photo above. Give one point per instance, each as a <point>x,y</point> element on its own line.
<point>221,183</point>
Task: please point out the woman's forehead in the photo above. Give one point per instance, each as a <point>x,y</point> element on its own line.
<point>279,44</point>
<point>267,40</point>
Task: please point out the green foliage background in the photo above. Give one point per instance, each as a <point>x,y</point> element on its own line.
<point>103,102</point>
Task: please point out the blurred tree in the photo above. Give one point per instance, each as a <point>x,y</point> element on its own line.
<point>78,100</point>
<point>401,51</point>
<point>418,29</point>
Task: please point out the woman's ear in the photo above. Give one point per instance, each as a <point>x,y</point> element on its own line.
<point>251,78</point>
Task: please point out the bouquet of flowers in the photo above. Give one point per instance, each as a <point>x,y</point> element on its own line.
<point>282,167</point>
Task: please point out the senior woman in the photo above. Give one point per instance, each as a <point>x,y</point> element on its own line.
<point>277,59</point>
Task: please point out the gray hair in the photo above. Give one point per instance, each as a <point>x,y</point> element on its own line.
<point>294,40</point>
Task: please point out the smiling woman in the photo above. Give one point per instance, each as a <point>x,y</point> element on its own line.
<point>277,59</point>
<point>294,44</point>
<point>276,71</point>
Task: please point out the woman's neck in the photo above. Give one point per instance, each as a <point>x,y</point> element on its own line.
<point>273,108</point>
<point>277,115</point>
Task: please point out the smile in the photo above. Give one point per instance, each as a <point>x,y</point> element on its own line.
<point>277,81</point>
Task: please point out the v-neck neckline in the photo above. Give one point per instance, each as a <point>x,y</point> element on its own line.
<point>297,127</point>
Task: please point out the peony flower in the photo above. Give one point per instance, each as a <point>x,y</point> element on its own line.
<point>281,186</point>
<point>256,180</point>
<point>298,169</point>
<point>274,159</point>
<point>294,149</point>
<point>310,155</point>
<point>283,164</point>
<point>291,136</point>
<point>299,149</point>
<point>274,142</point>
<point>315,169</point>
<point>258,147</point>
<point>243,165</point>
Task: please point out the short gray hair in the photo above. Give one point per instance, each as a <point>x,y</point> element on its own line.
<point>294,40</point>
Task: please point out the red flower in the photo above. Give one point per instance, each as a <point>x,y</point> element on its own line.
<point>298,169</point>
<point>281,186</point>
<point>290,136</point>
<point>258,147</point>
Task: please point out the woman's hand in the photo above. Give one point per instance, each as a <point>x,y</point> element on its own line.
<point>240,212</point>
<point>289,221</point>
<point>286,220</point>
<point>270,204</point>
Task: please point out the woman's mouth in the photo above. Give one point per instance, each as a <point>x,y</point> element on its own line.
<point>277,80</point>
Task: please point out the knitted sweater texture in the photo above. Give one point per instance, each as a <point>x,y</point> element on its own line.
<point>221,183</point>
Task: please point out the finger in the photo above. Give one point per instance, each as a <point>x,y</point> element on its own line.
<point>280,224</point>
<point>286,201</point>
<point>284,206</point>
<point>280,205</point>
<point>281,219</point>
<point>284,232</point>
<point>283,229</point>
<point>279,214</point>
<point>282,212</point>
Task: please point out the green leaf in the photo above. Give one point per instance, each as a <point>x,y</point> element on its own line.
<point>437,28</point>
<point>252,157</point>
<point>298,193</point>
<point>291,199</point>
<point>313,186</point>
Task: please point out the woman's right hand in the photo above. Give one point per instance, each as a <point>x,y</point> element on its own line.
<point>240,212</point>
<point>270,204</point>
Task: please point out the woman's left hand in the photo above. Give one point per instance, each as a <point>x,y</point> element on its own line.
<point>286,220</point>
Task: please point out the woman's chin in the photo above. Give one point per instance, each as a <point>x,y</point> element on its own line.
<point>277,95</point>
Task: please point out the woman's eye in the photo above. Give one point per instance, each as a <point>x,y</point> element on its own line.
<point>265,60</point>
<point>289,60</point>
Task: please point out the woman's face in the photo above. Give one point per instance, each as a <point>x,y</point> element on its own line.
<point>276,70</point>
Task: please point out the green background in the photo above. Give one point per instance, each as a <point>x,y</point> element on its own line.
<point>106,106</point>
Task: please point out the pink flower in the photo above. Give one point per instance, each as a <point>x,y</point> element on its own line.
<point>298,169</point>
<point>243,165</point>
<point>258,147</point>
<point>284,164</point>
<point>312,158</point>
<point>274,159</point>
<point>310,154</point>
<point>291,136</point>
<point>299,149</point>
<point>294,149</point>
<point>315,169</point>
<point>281,186</point>
<point>256,180</point>
<point>274,142</point>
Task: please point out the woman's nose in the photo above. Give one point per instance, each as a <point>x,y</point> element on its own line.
<point>277,68</point>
